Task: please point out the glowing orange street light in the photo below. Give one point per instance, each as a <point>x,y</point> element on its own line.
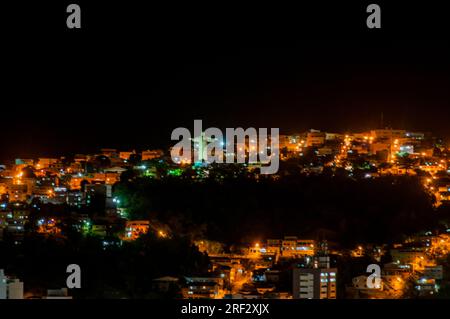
<point>161,234</point>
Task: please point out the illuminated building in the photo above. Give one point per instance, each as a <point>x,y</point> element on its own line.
<point>62,293</point>
<point>292,143</point>
<point>314,283</point>
<point>425,287</point>
<point>75,198</point>
<point>125,155</point>
<point>415,135</point>
<point>10,288</point>
<point>75,181</point>
<point>203,287</point>
<point>45,162</point>
<point>315,138</point>
<point>273,247</point>
<point>108,178</point>
<point>292,247</point>
<point>109,152</point>
<point>78,158</point>
<point>18,192</point>
<point>3,188</point>
<point>136,228</point>
<point>388,134</point>
<point>151,154</point>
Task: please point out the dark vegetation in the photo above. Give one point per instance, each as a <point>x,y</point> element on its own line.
<point>119,272</point>
<point>337,208</point>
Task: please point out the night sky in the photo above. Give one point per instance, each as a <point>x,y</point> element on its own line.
<point>132,74</point>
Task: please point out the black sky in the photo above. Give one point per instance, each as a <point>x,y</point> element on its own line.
<point>134,73</point>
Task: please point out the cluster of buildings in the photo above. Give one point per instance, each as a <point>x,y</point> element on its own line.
<point>416,269</point>
<point>79,183</point>
<point>385,143</point>
<point>277,268</point>
<point>288,268</point>
<point>60,180</point>
<point>293,268</point>
<point>377,153</point>
<point>373,153</point>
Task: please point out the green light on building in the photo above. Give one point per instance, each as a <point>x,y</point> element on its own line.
<point>175,172</point>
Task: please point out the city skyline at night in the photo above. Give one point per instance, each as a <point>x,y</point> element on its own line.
<point>201,155</point>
